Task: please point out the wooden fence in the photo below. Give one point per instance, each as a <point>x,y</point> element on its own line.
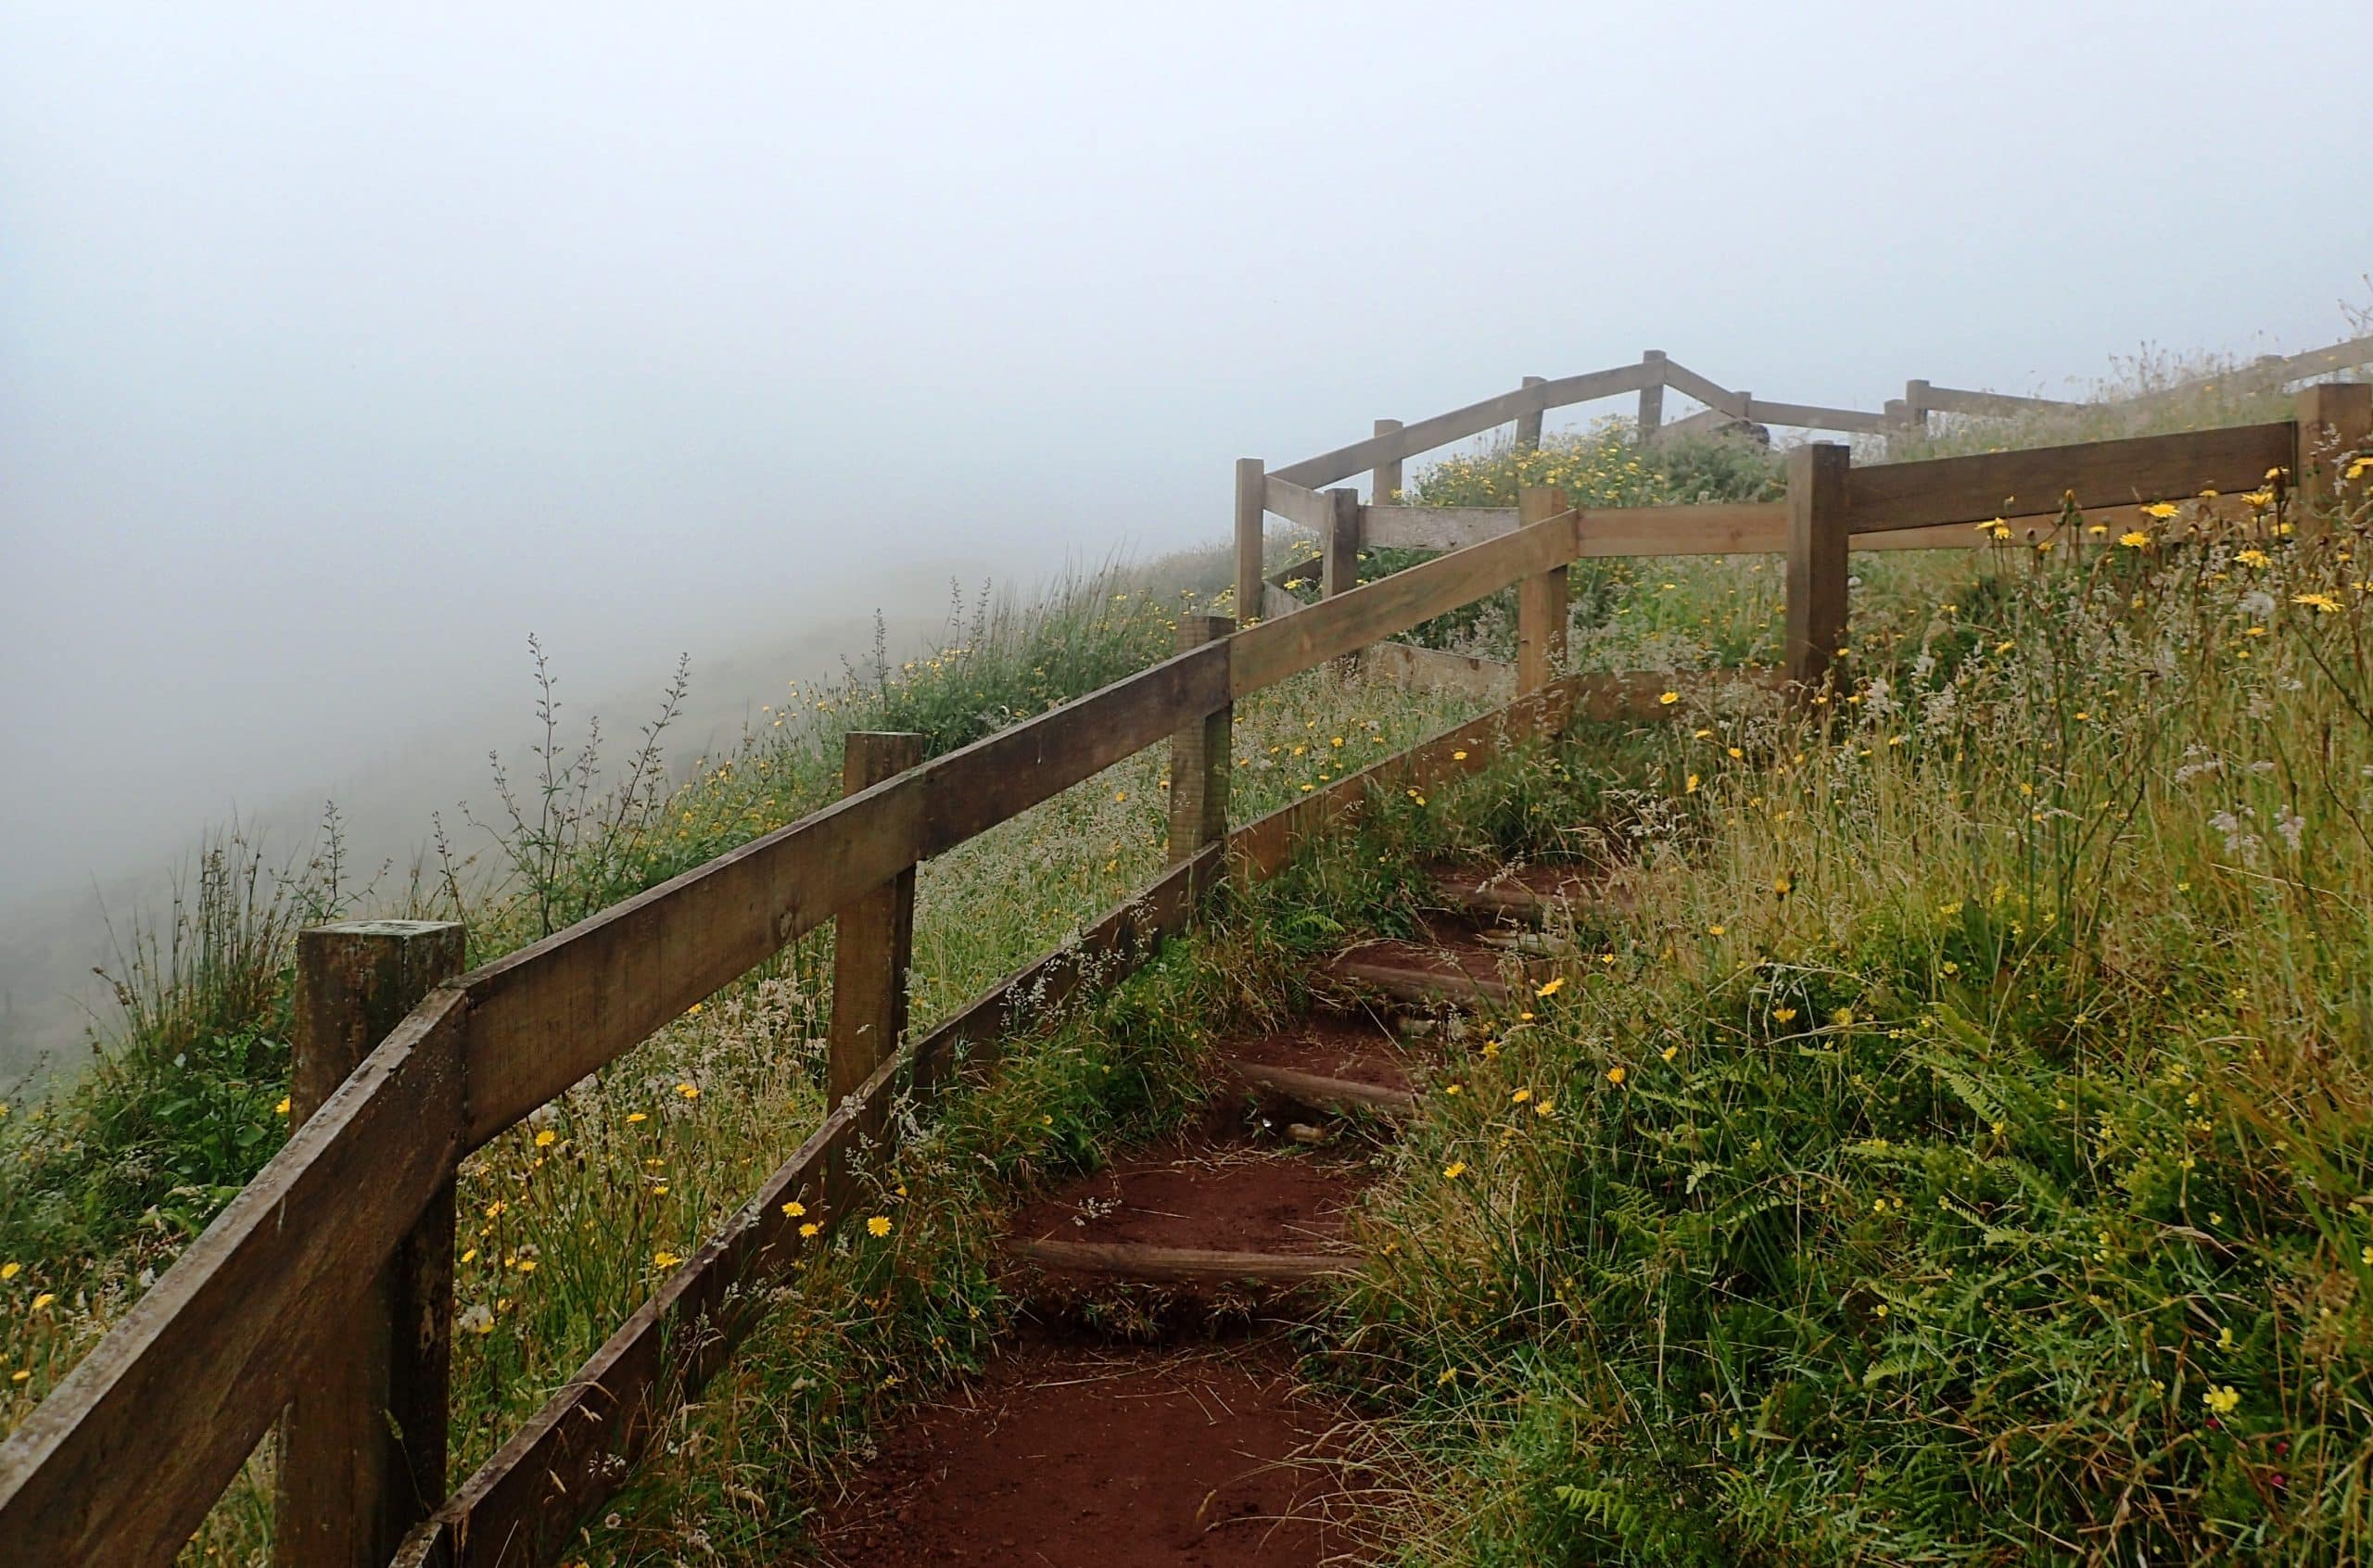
<point>322,1294</point>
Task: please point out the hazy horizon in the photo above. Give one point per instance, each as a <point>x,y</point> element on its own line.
<point>339,351</point>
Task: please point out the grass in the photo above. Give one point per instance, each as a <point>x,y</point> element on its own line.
<point>1952,1153</point>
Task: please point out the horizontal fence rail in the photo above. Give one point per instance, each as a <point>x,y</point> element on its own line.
<point>121,1464</point>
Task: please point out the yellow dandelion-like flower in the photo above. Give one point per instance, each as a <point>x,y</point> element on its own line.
<point>809,1230</point>
<point>1669,699</point>
<point>633,1117</point>
<point>689,1090</point>
<point>793,1209</point>
<point>2159,510</point>
<point>2221,1402</point>
<point>1615,1075</point>
<point>546,1138</point>
<point>2323,604</point>
<point>1552,987</point>
<point>664,1259</point>
<point>9,1271</point>
<point>281,1108</point>
<point>877,1226</point>
<point>2134,538</point>
<point>1453,1170</point>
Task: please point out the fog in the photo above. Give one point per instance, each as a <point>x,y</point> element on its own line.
<point>338,351</point>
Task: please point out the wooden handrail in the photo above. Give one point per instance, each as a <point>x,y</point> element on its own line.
<point>120,1464</point>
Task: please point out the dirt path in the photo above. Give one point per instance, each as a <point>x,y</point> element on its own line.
<point>1149,1411</point>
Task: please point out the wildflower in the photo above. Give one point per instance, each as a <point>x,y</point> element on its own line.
<point>2159,510</point>
<point>1521,1095</point>
<point>663,1258</point>
<point>1714,931</point>
<point>1669,699</point>
<point>877,1226</point>
<point>2134,538</point>
<point>9,1271</point>
<point>2252,557</point>
<point>477,1318</point>
<point>281,1108</point>
<point>546,1138</point>
<point>633,1117</point>
<point>1453,1170</point>
<point>1544,1107</point>
<point>793,1209</point>
<point>2364,1257</point>
<point>2321,601</point>
<point>689,1091</point>
<point>1783,1015</point>
<point>2221,1402</point>
<point>1450,1375</point>
<point>1458,756</point>
<point>1669,1052</point>
<point>1615,1076</point>
<point>1690,788</point>
<point>43,1299</point>
<point>809,1229</point>
<point>1552,987</point>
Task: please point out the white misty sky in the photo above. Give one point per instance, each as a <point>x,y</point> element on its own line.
<point>337,350</point>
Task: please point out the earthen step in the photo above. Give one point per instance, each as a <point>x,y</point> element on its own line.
<point>1122,1261</point>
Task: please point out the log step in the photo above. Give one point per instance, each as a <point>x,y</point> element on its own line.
<point>1318,1090</point>
<point>1526,894</point>
<point>1133,1262</point>
<point>1463,977</point>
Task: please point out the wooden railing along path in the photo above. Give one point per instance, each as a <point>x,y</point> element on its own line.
<point>324,1290</point>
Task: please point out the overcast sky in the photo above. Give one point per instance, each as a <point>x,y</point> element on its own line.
<point>342,346</point>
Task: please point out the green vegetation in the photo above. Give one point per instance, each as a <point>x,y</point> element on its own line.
<point>1954,1145</point>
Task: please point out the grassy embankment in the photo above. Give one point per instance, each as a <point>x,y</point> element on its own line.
<point>1934,1031</point>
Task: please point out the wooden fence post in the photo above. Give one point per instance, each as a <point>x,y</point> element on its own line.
<point>1915,405</point>
<point>1200,758</point>
<point>362,1449</point>
<point>1383,484</point>
<point>1529,425</point>
<point>1651,395</point>
<point>1251,528</point>
<point>1541,601</point>
<point>1338,566</point>
<point>873,938</point>
<point>2335,420</point>
<point>1817,543</point>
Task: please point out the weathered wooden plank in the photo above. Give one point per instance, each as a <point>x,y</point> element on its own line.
<point>1652,393</point>
<point>121,1464</point>
<point>1135,1261</point>
<point>1200,764</point>
<point>522,1505</point>
<point>2027,528</point>
<point>1327,468</point>
<point>1718,528</point>
<point>969,790</point>
<point>1813,416</point>
<point>1384,481</point>
<point>1292,502</point>
<point>1318,1090</point>
<point>1263,847</point>
<point>1434,527</point>
<point>578,1449</point>
<point>873,939</point>
<point>1434,669</point>
<point>548,1014</point>
<point>1970,489</point>
<point>1719,398</point>
<point>1528,432</point>
<point>1264,655</point>
<point>1591,386</point>
<point>2333,421</point>
<point>1955,400</point>
<point>1704,422</point>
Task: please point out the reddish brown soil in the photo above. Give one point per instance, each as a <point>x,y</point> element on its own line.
<point>1197,1191</point>
<point>1068,1456</point>
<point>1357,1049</point>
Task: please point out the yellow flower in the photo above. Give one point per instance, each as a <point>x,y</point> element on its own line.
<point>2159,510</point>
<point>809,1230</point>
<point>2134,539</point>
<point>1552,988</point>
<point>10,1271</point>
<point>689,1091</point>
<point>43,1299</point>
<point>879,1225</point>
<point>1453,1170</point>
<point>1521,1095</point>
<point>1714,931</point>
<point>1615,1075</point>
<point>2221,1402</point>
<point>1783,1015</point>
<point>1690,788</point>
<point>1543,1107</point>
<point>633,1117</point>
<point>1669,1052</point>
<point>281,1108</point>
<point>1458,756</point>
<point>546,1138</point>
<point>1669,699</point>
<point>793,1209</point>
<point>2324,602</point>
<point>664,1259</point>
